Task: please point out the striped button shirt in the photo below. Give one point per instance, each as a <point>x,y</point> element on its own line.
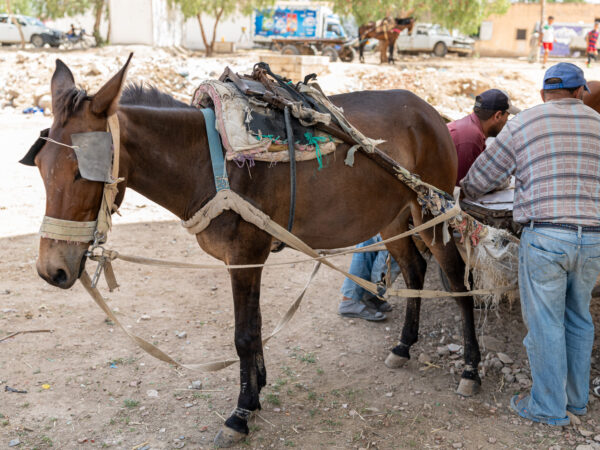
<point>554,151</point>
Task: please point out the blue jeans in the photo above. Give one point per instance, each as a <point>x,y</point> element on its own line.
<point>370,266</point>
<point>557,272</point>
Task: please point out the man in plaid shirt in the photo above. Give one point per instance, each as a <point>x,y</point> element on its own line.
<point>554,151</point>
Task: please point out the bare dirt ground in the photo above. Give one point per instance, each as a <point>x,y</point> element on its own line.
<point>88,386</point>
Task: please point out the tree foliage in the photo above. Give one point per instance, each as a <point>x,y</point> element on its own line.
<point>464,15</point>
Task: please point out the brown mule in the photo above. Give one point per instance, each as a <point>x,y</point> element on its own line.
<point>165,157</point>
<point>386,33</point>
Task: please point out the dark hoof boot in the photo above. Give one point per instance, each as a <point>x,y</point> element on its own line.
<point>227,437</point>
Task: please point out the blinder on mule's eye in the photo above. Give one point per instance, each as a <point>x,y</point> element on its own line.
<point>29,158</point>
<point>94,155</point>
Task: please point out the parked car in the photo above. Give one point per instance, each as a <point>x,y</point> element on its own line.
<point>34,31</point>
<point>434,39</point>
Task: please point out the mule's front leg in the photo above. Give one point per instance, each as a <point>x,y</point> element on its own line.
<point>248,343</point>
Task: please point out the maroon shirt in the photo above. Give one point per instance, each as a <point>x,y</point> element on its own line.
<point>469,141</point>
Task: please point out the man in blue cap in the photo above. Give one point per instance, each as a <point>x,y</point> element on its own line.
<point>554,151</point>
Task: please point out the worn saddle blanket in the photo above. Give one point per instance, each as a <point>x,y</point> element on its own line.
<point>250,118</point>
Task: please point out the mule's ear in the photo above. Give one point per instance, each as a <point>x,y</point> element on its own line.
<point>106,100</point>
<point>62,80</point>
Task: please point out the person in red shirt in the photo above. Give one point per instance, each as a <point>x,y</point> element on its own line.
<point>592,40</point>
<point>489,116</point>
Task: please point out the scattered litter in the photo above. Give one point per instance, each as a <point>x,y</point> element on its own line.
<point>197,384</point>
<point>24,332</point>
<point>16,391</point>
<point>45,386</point>
<point>152,393</point>
<point>33,110</point>
<point>14,443</point>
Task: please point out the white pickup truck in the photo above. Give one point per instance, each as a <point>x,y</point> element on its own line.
<point>434,39</point>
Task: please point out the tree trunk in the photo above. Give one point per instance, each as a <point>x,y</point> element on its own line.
<point>109,25</point>
<point>207,47</point>
<point>16,22</point>
<point>98,10</point>
<point>217,17</point>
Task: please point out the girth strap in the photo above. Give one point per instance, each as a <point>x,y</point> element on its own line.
<point>216,151</point>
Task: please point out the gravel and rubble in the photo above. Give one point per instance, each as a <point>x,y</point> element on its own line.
<point>450,84</point>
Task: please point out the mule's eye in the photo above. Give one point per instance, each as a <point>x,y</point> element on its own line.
<point>77,175</point>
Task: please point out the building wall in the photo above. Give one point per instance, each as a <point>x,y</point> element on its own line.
<point>131,22</point>
<point>504,28</point>
<point>148,22</point>
<point>167,24</point>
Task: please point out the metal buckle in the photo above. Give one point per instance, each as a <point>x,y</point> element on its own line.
<point>97,253</point>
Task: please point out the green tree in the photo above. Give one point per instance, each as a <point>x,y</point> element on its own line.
<point>464,15</point>
<point>219,10</point>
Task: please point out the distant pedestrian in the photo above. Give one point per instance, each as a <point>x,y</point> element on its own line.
<point>547,39</point>
<point>591,40</point>
<point>534,46</point>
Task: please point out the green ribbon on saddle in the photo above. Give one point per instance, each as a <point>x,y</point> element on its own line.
<point>314,140</point>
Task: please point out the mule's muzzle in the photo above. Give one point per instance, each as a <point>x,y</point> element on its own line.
<point>61,265</point>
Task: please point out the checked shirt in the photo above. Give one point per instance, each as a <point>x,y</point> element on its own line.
<point>554,151</point>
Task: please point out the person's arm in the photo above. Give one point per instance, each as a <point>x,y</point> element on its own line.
<point>492,168</point>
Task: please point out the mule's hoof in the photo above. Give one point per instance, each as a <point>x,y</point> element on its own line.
<point>468,388</point>
<point>226,437</point>
<point>394,361</point>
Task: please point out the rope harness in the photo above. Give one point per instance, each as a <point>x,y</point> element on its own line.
<point>432,200</point>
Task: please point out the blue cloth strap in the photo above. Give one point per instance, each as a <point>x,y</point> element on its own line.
<point>216,151</point>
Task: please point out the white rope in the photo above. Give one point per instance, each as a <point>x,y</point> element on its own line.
<point>59,143</point>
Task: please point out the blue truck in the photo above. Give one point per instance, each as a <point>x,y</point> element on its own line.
<point>297,29</point>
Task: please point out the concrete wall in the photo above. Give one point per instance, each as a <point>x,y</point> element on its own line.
<point>131,22</point>
<point>148,22</point>
<point>503,40</point>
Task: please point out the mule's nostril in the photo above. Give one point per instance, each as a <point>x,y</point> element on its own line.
<point>59,277</point>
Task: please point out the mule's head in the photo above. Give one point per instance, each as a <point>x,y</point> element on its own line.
<point>68,195</point>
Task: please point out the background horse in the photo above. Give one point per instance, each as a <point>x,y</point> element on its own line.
<point>386,31</point>
<point>164,155</point>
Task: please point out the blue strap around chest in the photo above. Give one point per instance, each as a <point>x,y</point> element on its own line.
<point>216,151</point>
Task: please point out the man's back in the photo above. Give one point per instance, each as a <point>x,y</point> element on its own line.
<point>554,149</point>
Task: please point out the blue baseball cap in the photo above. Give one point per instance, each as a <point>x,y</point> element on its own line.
<point>570,75</point>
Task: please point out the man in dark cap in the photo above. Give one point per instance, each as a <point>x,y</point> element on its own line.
<point>554,151</point>
<point>489,116</point>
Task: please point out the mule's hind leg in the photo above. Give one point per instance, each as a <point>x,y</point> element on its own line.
<point>453,266</point>
<point>413,267</point>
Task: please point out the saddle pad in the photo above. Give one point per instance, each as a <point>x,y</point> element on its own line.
<point>251,131</point>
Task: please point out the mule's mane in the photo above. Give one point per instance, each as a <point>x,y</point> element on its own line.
<point>138,94</point>
<point>70,100</point>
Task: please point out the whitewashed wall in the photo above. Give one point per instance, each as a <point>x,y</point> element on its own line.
<point>167,24</point>
<point>131,22</point>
